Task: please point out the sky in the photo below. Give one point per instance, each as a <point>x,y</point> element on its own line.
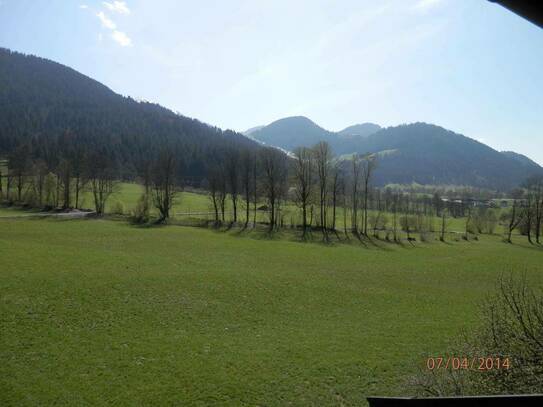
<point>468,65</point>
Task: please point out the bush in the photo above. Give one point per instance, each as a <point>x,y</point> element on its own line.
<point>118,208</point>
<point>140,214</point>
<point>484,221</point>
<point>511,327</point>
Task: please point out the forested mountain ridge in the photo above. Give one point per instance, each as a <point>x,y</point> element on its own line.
<point>43,102</point>
<point>413,153</point>
<point>429,154</point>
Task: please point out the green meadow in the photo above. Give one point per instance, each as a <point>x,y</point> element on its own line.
<point>186,203</point>
<point>100,312</point>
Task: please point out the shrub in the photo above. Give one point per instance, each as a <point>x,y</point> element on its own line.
<point>511,327</point>
<point>140,214</point>
<point>118,208</point>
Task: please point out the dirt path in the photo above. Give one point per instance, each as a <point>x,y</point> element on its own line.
<point>68,215</point>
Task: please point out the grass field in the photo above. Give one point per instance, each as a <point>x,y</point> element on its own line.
<point>97,312</point>
<point>186,202</point>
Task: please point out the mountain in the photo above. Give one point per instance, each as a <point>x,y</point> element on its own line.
<point>419,152</point>
<point>361,130</point>
<point>292,132</point>
<point>429,154</point>
<point>296,131</point>
<point>44,104</point>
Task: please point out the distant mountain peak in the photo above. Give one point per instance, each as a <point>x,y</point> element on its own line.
<point>291,132</point>
<point>361,130</point>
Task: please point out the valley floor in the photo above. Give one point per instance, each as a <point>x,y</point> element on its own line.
<point>98,312</point>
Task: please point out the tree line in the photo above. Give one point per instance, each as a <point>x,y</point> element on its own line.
<point>331,195</point>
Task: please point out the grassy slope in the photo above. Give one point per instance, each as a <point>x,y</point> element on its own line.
<point>96,312</point>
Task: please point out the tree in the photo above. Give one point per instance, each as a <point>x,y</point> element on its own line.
<point>246,178</point>
<point>378,220</point>
<point>303,182</point>
<point>232,158</point>
<point>468,222</point>
<point>101,176</point>
<point>64,175</point>
<point>323,155</point>
<point>514,216</point>
<point>443,228</point>
<point>368,165</point>
<point>535,190</point>
<point>77,158</point>
<point>164,184</point>
<point>408,224</point>
<point>528,215</point>
<point>395,205</point>
<point>274,173</point>
<point>355,179</point>
<point>40,171</point>
<point>214,187</point>
<point>336,188</point>
<point>18,163</point>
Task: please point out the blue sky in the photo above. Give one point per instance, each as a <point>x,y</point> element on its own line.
<point>467,65</point>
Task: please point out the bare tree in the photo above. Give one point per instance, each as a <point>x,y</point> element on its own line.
<point>444,224</point>
<point>355,180</point>
<point>323,155</point>
<point>18,163</point>
<point>214,186</point>
<point>64,174</point>
<point>535,189</point>
<point>336,187</point>
<point>164,183</point>
<point>529,215</point>
<point>368,165</point>
<point>395,205</point>
<point>232,157</point>
<point>246,181</point>
<point>101,178</point>
<point>274,171</point>
<point>468,222</point>
<point>40,171</point>
<point>303,181</point>
<point>78,158</point>
<point>255,188</point>
<point>379,215</point>
<point>515,217</point>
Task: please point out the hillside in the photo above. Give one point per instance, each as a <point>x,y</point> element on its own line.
<point>521,158</point>
<point>43,101</point>
<point>418,152</point>
<point>429,154</point>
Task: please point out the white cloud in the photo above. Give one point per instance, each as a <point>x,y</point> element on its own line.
<point>106,22</point>
<point>117,7</point>
<point>83,6</point>
<point>425,5</point>
<point>121,38</point>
